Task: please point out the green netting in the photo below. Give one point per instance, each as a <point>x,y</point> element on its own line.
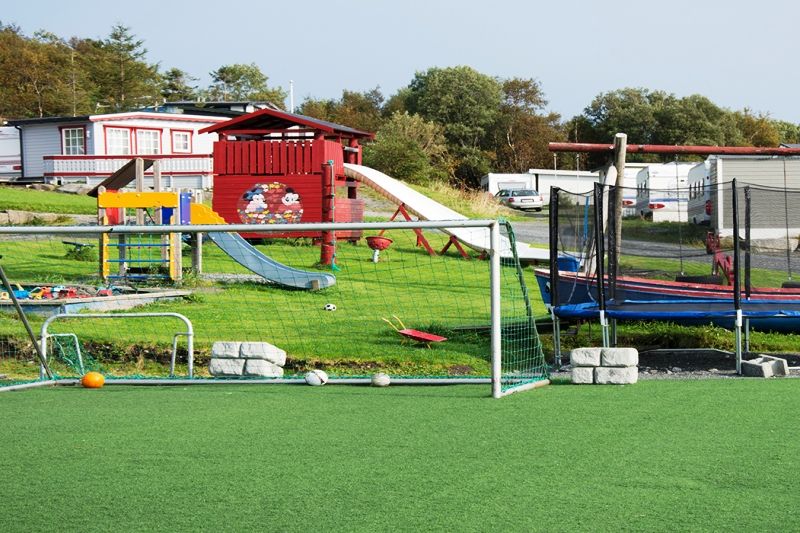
<point>442,293</point>
<point>522,359</point>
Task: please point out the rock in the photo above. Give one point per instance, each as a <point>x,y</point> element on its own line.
<point>262,368</point>
<point>75,188</point>
<point>676,369</point>
<point>765,366</point>
<point>583,375</point>
<point>42,186</point>
<point>262,350</point>
<point>225,349</point>
<point>668,371</point>
<point>713,370</point>
<point>226,367</point>
<point>585,357</point>
<point>619,357</point>
<point>611,375</point>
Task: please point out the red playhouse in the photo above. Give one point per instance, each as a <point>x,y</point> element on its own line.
<point>273,167</point>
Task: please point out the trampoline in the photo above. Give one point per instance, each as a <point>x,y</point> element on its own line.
<point>579,295</point>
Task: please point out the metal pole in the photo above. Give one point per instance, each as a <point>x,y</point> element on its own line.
<point>737,288</point>
<point>553,219</point>
<point>24,319</point>
<point>494,283</point>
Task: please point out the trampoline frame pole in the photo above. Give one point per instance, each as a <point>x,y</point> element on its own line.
<point>737,287</point>
<point>553,219</point>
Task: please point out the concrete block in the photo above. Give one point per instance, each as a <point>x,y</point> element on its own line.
<point>765,366</point>
<point>619,357</point>
<point>262,368</point>
<point>585,357</point>
<point>616,375</point>
<point>225,350</point>
<point>262,350</point>
<point>226,367</point>
<point>582,375</point>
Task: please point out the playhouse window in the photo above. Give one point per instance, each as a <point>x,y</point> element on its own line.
<point>118,141</point>
<point>181,142</point>
<point>148,141</point>
<point>73,141</point>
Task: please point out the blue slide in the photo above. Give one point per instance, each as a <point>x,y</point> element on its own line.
<point>243,253</point>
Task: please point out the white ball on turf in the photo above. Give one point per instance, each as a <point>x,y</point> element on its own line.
<point>330,307</point>
<point>380,380</point>
<point>316,377</point>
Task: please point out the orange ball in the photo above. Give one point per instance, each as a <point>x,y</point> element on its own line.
<point>93,380</point>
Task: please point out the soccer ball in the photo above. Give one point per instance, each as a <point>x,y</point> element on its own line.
<point>380,380</point>
<point>330,307</point>
<point>316,377</point>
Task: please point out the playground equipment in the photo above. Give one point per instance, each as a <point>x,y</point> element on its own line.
<point>377,243</point>
<point>414,334</point>
<point>173,208</point>
<point>273,167</point>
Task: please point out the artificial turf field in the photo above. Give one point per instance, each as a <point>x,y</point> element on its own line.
<point>659,455</point>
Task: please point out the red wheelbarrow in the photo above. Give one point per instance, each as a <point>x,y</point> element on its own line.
<point>414,334</point>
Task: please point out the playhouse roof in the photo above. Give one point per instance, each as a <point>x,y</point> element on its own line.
<point>270,120</point>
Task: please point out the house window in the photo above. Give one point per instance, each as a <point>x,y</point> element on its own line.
<point>72,140</point>
<point>148,142</point>
<point>181,142</point>
<point>118,141</point>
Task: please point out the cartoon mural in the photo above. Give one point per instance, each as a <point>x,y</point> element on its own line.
<point>270,203</point>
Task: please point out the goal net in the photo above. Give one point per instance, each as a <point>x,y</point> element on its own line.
<point>265,309</point>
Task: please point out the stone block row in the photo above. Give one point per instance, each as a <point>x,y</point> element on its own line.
<point>603,366</point>
<point>248,359</point>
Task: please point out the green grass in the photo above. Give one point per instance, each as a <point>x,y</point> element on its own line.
<point>635,228</point>
<point>663,455</point>
<point>46,201</point>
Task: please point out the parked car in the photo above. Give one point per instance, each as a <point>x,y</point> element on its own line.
<point>521,199</point>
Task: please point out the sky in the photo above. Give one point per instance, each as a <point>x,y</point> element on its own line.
<point>738,53</point>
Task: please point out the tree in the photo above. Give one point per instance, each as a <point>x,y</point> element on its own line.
<point>409,148</point>
<point>175,85</point>
<point>361,111</point>
<point>243,82</point>
<point>467,104</point>
<point>117,65</point>
<point>524,129</point>
<point>757,129</point>
<point>789,133</point>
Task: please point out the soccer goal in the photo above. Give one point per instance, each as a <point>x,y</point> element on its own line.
<point>423,302</point>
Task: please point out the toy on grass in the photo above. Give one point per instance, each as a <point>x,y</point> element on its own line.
<point>380,380</point>
<point>414,334</point>
<point>377,243</point>
<point>330,307</point>
<point>93,380</point>
<point>316,377</point>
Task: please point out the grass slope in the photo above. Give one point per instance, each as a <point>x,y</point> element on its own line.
<point>654,456</point>
<point>46,202</point>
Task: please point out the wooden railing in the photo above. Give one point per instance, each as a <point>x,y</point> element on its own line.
<point>104,165</point>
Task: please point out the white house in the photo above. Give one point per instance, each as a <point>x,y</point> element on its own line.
<point>87,149</point>
<point>10,165</point>
<point>541,180</point>
<point>699,183</point>
<point>628,186</point>
<point>774,212</point>
<point>661,191</point>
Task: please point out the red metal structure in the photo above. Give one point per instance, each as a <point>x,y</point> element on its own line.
<point>273,167</point>
<point>671,149</point>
